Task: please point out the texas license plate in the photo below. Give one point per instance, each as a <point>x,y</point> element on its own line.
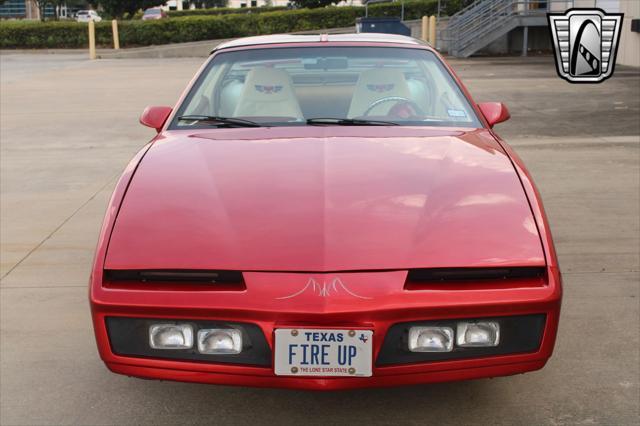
<point>321,352</point>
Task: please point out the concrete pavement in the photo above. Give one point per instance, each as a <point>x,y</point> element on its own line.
<point>69,126</point>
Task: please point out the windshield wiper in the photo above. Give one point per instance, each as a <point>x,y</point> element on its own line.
<point>349,122</point>
<point>238,122</point>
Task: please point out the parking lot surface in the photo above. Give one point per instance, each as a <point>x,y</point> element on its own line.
<point>68,127</point>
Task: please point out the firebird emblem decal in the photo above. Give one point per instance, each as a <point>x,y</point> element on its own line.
<point>380,87</point>
<point>267,90</point>
<point>324,289</point>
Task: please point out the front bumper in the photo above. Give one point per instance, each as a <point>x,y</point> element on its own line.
<point>387,306</point>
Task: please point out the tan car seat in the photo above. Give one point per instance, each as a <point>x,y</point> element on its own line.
<point>374,85</point>
<point>268,92</point>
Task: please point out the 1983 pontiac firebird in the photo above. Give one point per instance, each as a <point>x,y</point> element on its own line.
<point>325,212</point>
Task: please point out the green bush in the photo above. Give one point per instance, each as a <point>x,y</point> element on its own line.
<point>217,11</point>
<point>223,11</point>
<point>29,34</point>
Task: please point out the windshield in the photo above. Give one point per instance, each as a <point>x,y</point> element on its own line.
<point>303,85</point>
<point>152,12</point>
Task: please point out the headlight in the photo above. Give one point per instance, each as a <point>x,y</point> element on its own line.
<point>220,341</point>
<point>481,333</point>
<point>430,339</point>
<point>171,336</point>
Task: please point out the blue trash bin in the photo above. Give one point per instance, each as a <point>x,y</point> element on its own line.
<point>382,25</point>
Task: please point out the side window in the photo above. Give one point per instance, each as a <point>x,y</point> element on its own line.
<point>420,93</point>
<point>230,96</point>
<point>202,100</point>
<point>447,102</point>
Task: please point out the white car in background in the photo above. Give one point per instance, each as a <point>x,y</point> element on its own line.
<point>88,15</point>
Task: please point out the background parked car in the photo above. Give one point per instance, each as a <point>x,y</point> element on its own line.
<point>153,14</point>
<point>88,15</point>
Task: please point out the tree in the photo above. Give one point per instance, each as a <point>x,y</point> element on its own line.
<point>212,3</point>
<point>313,4</point>
<point>42,5</point>
<point>117,8</point>
<point>75,3</point>
<point>56,4</point>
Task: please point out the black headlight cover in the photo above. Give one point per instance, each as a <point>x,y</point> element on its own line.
<point>518,334</point>
<point>130,337</point>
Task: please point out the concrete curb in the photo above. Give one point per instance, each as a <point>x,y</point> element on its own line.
<point>195,49</point>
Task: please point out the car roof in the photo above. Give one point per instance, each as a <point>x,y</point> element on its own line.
<point>320,38</point>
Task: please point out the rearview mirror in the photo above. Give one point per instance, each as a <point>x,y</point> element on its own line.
<point>494,112</point>
<point>155,116</point>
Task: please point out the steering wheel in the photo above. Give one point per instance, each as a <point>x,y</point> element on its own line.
<point>404,108</point>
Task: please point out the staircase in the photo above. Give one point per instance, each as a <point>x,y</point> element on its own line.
<point>484,21</point>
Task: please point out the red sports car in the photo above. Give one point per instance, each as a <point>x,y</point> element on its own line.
<point>325,212</point>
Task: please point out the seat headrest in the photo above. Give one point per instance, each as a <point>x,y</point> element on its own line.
<point>377,84</point>
<point>268,92</point>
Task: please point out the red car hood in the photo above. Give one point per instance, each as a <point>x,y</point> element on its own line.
<point>324,199</point>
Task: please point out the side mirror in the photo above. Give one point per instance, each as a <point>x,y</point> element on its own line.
<point>494,112</point>
<point>155,116</point>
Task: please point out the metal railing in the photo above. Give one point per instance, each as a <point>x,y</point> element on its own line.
<point>483,17</point>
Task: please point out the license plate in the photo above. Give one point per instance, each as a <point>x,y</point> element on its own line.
<point>321,352</point>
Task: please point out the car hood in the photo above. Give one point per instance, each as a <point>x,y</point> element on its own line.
<point>324,198</point>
